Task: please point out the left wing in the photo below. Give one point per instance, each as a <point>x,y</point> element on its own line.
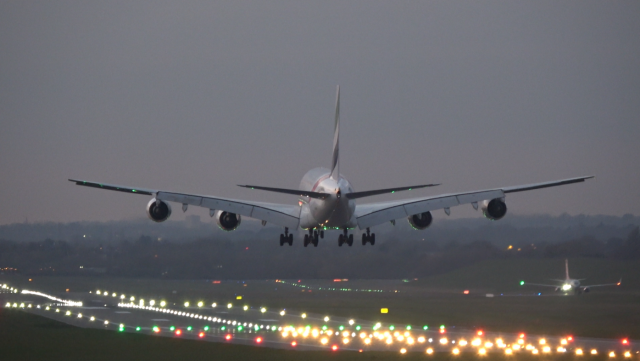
<point>606,284</point>
<point>284,215</point>
<point>368,215</point>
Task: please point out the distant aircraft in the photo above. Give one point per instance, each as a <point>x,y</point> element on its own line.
<point>571,284</point>
<point>328,201</point>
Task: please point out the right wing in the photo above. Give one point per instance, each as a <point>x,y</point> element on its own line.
<point>284,215</point>
<point>368,215</point>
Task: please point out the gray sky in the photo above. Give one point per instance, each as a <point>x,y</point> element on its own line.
<point>200,96</point>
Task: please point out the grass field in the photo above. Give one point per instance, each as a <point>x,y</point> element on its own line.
<point>27,337</point>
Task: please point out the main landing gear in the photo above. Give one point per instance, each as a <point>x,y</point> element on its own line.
<point>286,237</point>
<point>368,237</point>
<point>312,237</point>
<point>345,238</point>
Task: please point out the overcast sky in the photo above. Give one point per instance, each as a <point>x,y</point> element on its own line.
<point>200,96</point>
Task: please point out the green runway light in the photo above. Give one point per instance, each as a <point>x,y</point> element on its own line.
<point>223,328</point>
<point>521,283</point>
<point>324,328</point>
<point>408,327</point>
<point>341,327</point>
<point>138,328</point>
<point>189,328</point>
<point>206,328</point>
<point>392,327</point>
<point>425,327</point>
<point>172,328</point>
<point>239,328</point>
<point>358,328</point>
<point>441,326</point>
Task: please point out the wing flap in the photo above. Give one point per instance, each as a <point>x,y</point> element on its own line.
<point>280,214</point>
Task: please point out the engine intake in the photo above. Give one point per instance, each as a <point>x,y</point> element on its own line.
<point>420,220</point>
<point>494,209</point>
<point>158,211</point>
<point>227,221</point>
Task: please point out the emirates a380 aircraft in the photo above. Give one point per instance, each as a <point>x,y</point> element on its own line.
<point>328,201</point>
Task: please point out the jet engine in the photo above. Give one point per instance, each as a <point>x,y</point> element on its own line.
<point>494,209</point>
<point>420,220</point>
<point>158,211</point>
<point>585,290</point>
<point>227,221</point>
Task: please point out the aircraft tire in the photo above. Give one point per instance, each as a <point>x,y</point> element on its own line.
<point>291,240</point>
<point>372,240</point>
<point>281,239</point>
<point>315,241</point>
<point>306,240</point>
<point>350,240</point>
<point>364,239</point>
<point>322,234</point>
<point>340,240</point>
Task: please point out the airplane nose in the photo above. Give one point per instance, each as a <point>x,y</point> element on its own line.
<point>339,193</point>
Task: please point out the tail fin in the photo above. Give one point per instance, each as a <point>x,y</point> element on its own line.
<point>335,159</point>
<point>566,268</point>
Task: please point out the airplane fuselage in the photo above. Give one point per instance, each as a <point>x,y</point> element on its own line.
<point>335,211</point>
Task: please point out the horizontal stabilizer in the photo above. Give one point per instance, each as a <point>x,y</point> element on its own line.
<point>317,195</point>
<point>376,192</point>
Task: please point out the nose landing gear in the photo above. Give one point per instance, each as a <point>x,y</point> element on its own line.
<point>368,237</point>
<point>286,237</point>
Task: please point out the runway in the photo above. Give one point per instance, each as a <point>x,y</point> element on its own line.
<point>285,328</point>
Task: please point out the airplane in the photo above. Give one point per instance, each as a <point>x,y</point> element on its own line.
<point>328,201</point>
<point>571,284</point>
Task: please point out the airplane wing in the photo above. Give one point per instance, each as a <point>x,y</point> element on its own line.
<point>606,284</point>
<point>372,214</point>
<point>539,284</point>
<point>284,215</point>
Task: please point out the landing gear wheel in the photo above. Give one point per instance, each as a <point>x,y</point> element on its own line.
<point>364,239</point>
<point>373,239</point>
<point>322,234</point>
<point>306,240</point>
<point>281,239</point>
<point>290,240</point>
<point>340,240</point>
<point>350,241</point>
<point>315,241</point>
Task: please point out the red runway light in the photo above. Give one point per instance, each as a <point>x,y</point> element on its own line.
<point>625,341</point>
<point>480,333</point>
<point>178,332</point>
<point>570,338</point>
<point>466,292</point>
<point>294,344</point>
<point>227,337</point>
<point>259,339</point>
<point>442,330</point>
<point>334,348</point>
<point>201,334</point>
<point>522,336</point>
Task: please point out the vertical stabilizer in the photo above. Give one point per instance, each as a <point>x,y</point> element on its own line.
<point>566,268</point>
<point>335,159</point>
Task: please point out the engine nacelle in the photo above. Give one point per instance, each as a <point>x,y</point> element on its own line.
<point>494,209</point>
<point>585,290</point>
<point>420,220</point>
<point>158,211</point>
<point>227,221</point>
